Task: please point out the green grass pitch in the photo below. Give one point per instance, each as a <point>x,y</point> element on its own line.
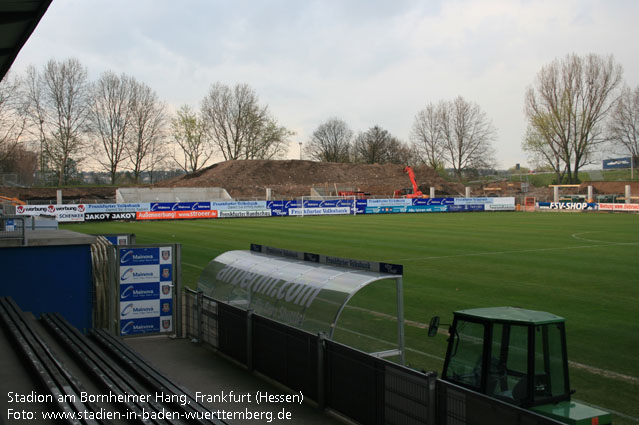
<point>582,266</point>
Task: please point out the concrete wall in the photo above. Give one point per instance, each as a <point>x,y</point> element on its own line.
<point>170,194</point>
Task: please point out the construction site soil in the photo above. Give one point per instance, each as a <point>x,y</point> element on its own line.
<point>288,179</point>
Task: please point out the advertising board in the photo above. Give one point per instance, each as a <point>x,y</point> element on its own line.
<point>109,216</point>
<point>62,212</point>
<point>180,206</point>
<point>175,215</point>
<point>616,163</point>
<point>567,206</point>
<point>619,207</point>
<point>146,281</point>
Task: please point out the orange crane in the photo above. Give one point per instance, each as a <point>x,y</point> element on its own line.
<point>416,193</point>
<point>14,201</point>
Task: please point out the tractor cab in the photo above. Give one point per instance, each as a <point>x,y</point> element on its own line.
<point>517,356</point>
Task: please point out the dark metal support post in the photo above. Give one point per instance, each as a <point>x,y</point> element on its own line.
<point>198,315</point>
<point>249,340</point>
<point>321,402</point>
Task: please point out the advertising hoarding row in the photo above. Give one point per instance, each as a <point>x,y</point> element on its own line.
<point>239,209</point>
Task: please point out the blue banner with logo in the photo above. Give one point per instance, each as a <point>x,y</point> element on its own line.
<point>146,289</point>
<point>180,206</point>
<point>613,163</point>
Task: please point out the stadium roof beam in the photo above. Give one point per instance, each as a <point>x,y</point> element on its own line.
<point>18,20</point>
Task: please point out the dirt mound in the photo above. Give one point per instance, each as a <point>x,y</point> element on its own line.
<point>610,187</point>
<point>293,178</point>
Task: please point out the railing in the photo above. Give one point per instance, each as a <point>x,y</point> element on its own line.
<point>364,388</point>
<point>13,230</point>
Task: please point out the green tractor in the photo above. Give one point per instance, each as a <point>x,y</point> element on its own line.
<point>517,356</point>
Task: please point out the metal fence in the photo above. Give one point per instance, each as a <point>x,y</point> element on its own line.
<point>13,230</point>
<point>200,317</point>
<point>364,388</point>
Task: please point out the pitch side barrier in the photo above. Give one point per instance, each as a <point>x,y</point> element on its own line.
<point>242,209</point>
<point>586,206</point>
<point>360,386</point>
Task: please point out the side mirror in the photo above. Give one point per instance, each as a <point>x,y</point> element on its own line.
<point>433,326</point>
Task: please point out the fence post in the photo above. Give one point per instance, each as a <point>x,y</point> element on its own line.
<point>321,351</point>
<point>199,300</point>
<point>432,397</point>
<point>249,340</point>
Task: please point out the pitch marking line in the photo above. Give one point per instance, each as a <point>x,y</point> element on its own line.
<point>514,251</point>
<point>576,236</point>
<point>591,369</point>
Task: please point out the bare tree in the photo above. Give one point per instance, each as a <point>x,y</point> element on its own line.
<point>570,99</point>
<point>427,135</point>
<point>148,121</point>
<point>239,127</point>
<point>376,146</point>
<point>330,142</point>
<point>110,119</point>
<point>623,126</point>
<point>190,135</point>
<point>270,142</point>
<point>467,133</point>
<point>59,100</point>
<point>543,150</point>
<point>13,117</point>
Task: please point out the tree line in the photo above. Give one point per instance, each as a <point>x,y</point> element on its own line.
<point>576,107</point>
<point>57,114</point>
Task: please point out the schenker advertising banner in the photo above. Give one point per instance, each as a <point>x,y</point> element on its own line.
<point>146,278</point>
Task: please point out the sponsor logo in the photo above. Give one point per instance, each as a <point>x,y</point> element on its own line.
<point>166,289</point>
<point>128,273</point>
<point>272,287</point>
<point>128,309</point>
<point>51,209</point>
<point>166,307</point>
<point>166,324</point>
<point>20,209</point>
<point>131,257</point>
<point>128,256</point>
<point>127,292</point>
<point>127,328</point>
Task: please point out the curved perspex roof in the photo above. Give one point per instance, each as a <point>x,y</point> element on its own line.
<point>304,290</point>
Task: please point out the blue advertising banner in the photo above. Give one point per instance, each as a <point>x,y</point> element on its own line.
<point>180,206</point>
<point>569,206</point>
<point>426,208</point>
<point>613,163</point>
<point>146,289</point>
<point>433,201</point>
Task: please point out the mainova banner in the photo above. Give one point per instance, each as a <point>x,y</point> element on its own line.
<point>146,281</point>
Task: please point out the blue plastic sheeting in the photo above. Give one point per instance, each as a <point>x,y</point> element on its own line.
<point>48,279</point>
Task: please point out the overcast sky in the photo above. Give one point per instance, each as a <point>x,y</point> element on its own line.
<point>368,62</point>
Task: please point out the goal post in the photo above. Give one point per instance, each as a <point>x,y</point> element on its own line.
<point>328,203</point>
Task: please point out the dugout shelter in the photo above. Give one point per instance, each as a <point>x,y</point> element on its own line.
<point>304,290</point>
